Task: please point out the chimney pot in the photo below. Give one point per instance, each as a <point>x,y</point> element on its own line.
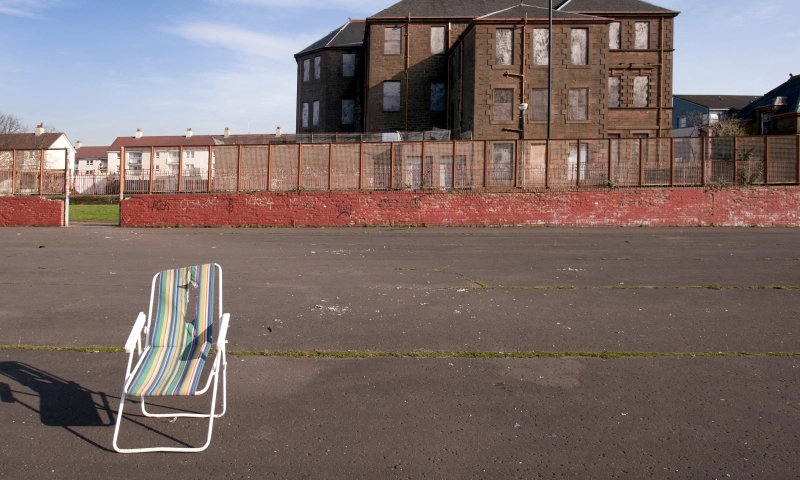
<point>227,132</point>
<point>39,129</point>
<point>278,132</point>
<point>188,133</point>
<point>78,145</point>
<point>138,134</point>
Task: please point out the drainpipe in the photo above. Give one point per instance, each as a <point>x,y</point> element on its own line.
<point>550,72</point>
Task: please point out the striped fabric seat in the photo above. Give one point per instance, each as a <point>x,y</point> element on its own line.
<point>179,348</point>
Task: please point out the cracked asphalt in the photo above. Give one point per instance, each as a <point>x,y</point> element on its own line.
<point>425,289</point>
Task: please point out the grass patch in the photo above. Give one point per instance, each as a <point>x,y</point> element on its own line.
<point>94,213</point>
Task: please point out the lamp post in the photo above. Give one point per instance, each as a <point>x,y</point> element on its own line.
<point>522,108</point>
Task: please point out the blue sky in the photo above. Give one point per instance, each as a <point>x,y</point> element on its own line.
<point>98,69</point>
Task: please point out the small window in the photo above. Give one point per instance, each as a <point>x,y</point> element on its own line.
<point>349,65</point>
<point>156,167</point>
<point>539,104</point>
<point>503,104</point>
<point>189,166</point>
<point>391,96</point>
<point>766,121</point>
<point>304,117</point>
<point>579,51</point>
<point>391,41</point>
<point>437,97</point>
<point>615,36</point>
<point>503,48</point>
<point>614,91</point>
<point>189,153</point>
<point>348,112</point>
<point>541,46</point>
<point>577,166</point>
<point>503,161</point>
<point>306,70</point>
<point>642,41</point>
<point>315,114</point>
<point>89,162</point>
<point>579,104</point>
<point>437,40</point>
<point>317,67</point>
<point>158,154</point>
<point>682,122</point>
<point>641,91</point>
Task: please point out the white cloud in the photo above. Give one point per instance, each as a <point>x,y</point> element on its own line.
<point>244,42</point>
<point>25,8</point>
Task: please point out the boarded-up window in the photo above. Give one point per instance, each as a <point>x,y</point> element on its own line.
<point>642,36</point>
<point>317,67</point>
<point>306,70</point>
<point>503,104</point>
<point>315,114</point>
<point>437,40</point>
<point>348,112</point>
<point>574,161</point>
<point>579,104</point>
<point>766,122</point>
<point>349,65</point>
<point>539,104</point>
<point>391,41</point>
<point>579,51</point>
<point>503,157</point>
<point>615,36</point>
<point>437,97</point>
<point>391,96</point>
<point>304,116</point>
<point>503,48</point>
<point>541,45</point>
<point>614,91</point>
<point>641,91</point>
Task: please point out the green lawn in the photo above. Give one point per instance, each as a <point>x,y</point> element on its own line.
<point>94,213</point>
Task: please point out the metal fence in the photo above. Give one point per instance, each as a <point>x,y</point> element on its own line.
<point>33,172</point>
<point>535,165</point>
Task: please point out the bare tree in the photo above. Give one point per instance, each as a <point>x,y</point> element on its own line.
<point>728,125</point>
<point>12,124</point>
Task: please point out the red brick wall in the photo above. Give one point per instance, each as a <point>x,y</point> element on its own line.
<point>31,212</point>
<point>776,206</point>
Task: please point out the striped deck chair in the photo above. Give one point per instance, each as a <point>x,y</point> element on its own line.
<point>175,349</point>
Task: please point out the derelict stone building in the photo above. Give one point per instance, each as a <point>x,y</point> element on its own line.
<point>466,65</point>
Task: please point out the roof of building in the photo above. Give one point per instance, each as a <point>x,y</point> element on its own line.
<point>478,8</point>
<point>28,141</point>
<point>349,34</point>
<point>789,90</point>
<point>254,139</point>
<point>719,102</point>
<point>533,12</point>
<point>162,141</point>
<point>91,152</point>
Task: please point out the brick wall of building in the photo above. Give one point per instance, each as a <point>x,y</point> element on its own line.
<point>31,212</point>
<point>774,206</point>
<point>329,90</point>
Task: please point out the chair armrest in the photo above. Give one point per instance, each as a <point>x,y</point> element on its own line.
<point>223,330</point>
<point>135,337</point>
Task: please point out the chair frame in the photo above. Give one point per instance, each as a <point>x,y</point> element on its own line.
<point>220,364</point>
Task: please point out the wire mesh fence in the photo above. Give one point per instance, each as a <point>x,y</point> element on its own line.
<point>412,165</point>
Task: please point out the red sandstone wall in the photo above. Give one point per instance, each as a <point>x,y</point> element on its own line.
<point>775,206</point>
<point>31,212</point>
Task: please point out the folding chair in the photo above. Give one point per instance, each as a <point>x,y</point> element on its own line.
<point>175,350</point>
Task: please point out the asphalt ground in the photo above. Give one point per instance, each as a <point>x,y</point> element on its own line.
<point>572,292</point>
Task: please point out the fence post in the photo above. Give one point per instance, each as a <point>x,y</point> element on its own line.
<point>578,173</point>
<point>41,173</point>
<point>330,166</point>
<point>455,152</point>
<point>703,141</point>
<point>798,159</point>
<point>610,167</point>
<point>269,168</point>
<point>641,161</point>
<point>210,167</point>
<point>672,161</point>
<point>518,144</point>
<point>735,162</point>
<point>121,173</point>
<point>180,169</point>
<point>300,166</point>
<point>766,159</point>
<point>485,163</point>
<point>422,177</point>
<point>152,169</point>
<point>547,165</point>
<point>361,166</point>
<point>239,170</point>
<point>66,187</point>
<point>14,172</point>
<point>391,168</point>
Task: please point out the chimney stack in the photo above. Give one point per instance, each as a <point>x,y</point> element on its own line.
<point>188,133</point>
<point>39,129</point>
<point>278,132</point>
<point>78,145</point>
<point>138,134</point>
<point>227,132</point>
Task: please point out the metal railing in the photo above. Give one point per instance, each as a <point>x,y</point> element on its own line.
<point>33,172</point>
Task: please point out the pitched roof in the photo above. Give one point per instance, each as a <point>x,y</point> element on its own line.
<point>789,90</point>
<point>162,141</point>
<point>91,152</point>
<point>719,102</point>
<point>351,33</point>
<point>533,12</point>
<point>28,141</point>
<point>477,8</point>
